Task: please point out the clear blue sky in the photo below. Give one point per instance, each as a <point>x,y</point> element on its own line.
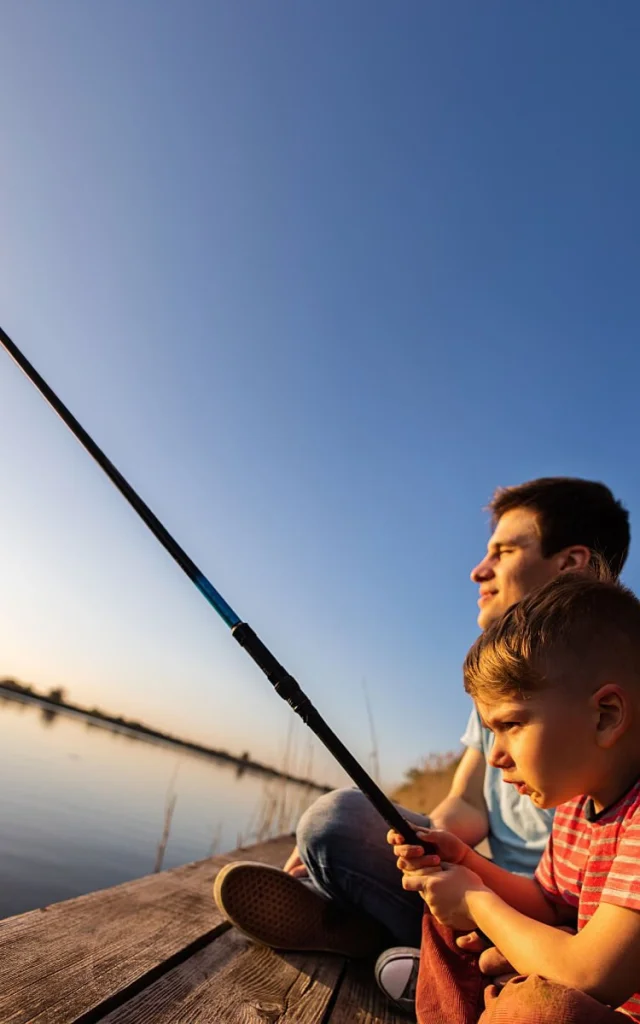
<point>318,277</point>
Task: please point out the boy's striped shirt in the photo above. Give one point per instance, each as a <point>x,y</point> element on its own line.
<point>595,858</point>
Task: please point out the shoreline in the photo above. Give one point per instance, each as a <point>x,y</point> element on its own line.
<point>144,732</point>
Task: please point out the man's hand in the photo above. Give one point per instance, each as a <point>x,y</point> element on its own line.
<point>294,865</point>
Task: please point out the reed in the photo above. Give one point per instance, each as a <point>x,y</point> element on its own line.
<point>375,752</point>
<point>170,800</point>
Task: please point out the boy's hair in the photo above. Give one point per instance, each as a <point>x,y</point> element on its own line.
<point>571,511</point>
<point>572,630</point>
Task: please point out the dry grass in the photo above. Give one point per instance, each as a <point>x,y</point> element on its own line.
<point>428,784</point>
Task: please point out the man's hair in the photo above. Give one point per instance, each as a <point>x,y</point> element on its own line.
<point>571,511</point>
<point>576,629</point>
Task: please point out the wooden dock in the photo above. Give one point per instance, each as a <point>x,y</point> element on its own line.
<point>157,951</point>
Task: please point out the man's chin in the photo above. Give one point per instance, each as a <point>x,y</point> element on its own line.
<point>488,615</point>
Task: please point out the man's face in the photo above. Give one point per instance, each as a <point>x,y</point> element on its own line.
<point>544,745</point>
<point>513,566</point>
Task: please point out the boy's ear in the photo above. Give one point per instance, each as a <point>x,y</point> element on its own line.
<point>574,559</point>
<point>611,707</point>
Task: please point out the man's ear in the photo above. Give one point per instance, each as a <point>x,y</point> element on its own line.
<point>574,559</point>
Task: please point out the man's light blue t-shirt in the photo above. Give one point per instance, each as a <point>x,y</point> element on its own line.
<point>518,830</point>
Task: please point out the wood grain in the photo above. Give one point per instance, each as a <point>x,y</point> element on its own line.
<point>60,964</point>
<point>360,1001</point>
<point>235,982</point>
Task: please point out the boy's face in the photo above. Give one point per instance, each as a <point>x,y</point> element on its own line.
<point>544,745</point>
<point>513,566</point>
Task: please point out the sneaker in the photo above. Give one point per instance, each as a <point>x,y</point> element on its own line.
<point>397,976</point>
<point>274,909</point>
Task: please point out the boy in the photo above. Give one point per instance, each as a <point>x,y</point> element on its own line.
<point>557,680</point>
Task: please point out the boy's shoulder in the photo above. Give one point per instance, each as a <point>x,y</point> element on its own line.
<point>593,857</point>
<point>579,814</point>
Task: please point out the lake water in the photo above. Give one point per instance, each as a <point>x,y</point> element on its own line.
<point>83,807</point>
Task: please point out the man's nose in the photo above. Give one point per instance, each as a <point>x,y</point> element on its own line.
<point>482,572</point>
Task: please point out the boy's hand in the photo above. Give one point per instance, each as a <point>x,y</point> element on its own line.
<point>413,859</point>
<point>491,961</point>
<point>445,893</point>
<point>441,885</point>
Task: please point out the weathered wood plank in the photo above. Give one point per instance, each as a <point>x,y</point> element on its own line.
<point>61,963</point>
<point>235,982</point>
<point>360,1001</point>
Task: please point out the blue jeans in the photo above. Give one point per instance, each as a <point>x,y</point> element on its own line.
<point>342,842</point>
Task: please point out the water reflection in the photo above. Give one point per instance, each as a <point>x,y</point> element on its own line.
<point>84,807</point>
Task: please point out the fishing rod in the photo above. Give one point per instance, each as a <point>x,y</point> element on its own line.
<point>283,683</point>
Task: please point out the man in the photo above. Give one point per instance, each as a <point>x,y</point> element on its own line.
<point>541,529</point>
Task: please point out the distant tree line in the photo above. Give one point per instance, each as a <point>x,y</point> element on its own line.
<point>58,695</point>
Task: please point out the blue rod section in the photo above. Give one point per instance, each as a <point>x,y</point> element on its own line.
<point>216,601</point>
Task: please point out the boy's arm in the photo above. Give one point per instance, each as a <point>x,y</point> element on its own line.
<point>601,960</point>
<point>521,893</point>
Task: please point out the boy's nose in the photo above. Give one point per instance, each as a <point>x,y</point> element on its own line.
<point>499,757</point>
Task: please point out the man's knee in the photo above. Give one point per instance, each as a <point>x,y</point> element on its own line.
<point>336,817</point>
